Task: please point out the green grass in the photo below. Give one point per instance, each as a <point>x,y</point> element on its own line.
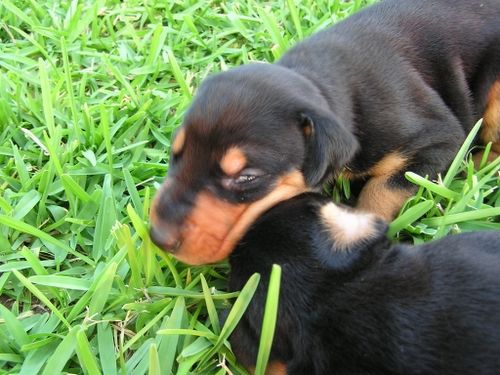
<point>90,93</point>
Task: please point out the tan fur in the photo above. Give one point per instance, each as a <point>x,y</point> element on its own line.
<point>478,157</point>
<point>206,228</point>
<point>233,161</point>
<point>389,165</point>
<point>273,368</point>
<point>307,130</point>
<point>490,131</point>
<point>276,368</point>
<point>378,198</point>
<point>214,226</point>
<point>179,140</point>
<point>347,227</point>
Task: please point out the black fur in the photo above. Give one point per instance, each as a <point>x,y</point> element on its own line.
<point>405,77</point>
<point>375,308</point>
<point>410,76</point>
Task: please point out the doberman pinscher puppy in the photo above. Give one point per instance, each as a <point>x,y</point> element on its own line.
<point>352,303</point>
<point>393,88</point>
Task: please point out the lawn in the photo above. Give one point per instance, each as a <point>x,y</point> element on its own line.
<point>90,93</point>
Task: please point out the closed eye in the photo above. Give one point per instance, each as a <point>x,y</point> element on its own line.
<point>245,178</point>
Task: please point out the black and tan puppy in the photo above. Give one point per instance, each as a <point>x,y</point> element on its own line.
<point>351,303</point>
<point>392,88</point>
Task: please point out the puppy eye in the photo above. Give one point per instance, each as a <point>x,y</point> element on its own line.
<point>248,175</point>
<point>243,178</point>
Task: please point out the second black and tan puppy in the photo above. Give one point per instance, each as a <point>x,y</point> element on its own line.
<point>393,88</point>
<point>353,304</point>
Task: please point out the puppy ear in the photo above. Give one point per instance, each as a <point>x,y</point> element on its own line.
<point>329,145</point>
<point>349,237</point>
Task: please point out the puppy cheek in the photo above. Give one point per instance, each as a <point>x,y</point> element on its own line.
<point>206,229</point>
<point>200,248</point>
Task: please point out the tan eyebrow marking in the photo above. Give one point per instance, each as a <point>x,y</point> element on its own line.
<point>233,161</point>
<point>179,140</point>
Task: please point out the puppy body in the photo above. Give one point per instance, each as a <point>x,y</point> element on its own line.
<point>406,77</point>
<point>367,307</point>
<point>392,88</point>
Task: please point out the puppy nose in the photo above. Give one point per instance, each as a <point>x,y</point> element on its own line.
<point>165,239</point>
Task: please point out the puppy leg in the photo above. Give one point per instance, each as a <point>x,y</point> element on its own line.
<point>490,131</point>
<point>386,191</point>
<point>381,195</point>
<point>383,198</point>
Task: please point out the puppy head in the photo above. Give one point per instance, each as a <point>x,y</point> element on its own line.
<point>253,136</point>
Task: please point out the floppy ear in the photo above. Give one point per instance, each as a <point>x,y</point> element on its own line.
<point>329,145</point>
<point>350,237</point>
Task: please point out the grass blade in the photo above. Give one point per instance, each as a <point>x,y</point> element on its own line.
<point>36,292</point>
<point>14,327</point>
<point>269,321</point>
<point>63,353</point>
<point>26,228</point>
<point>87,359</point>
<point>106,348</point>
<point>409,216</point>
<point>212,312</point>
<point>455,165</point>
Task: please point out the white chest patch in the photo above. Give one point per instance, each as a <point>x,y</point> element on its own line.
<point>347,227</point>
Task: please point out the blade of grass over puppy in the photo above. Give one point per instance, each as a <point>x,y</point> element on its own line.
<point>234,316</point>
<point>462,203</point>
<point>440,190</point>
<point>181,292</point>
<point>212,312</point>
<point>188,332</point>
<point>484,159</point>
<point>269,320</point>
<point>463,216</point>
<point>409,216</point>
<point>455,165</point>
